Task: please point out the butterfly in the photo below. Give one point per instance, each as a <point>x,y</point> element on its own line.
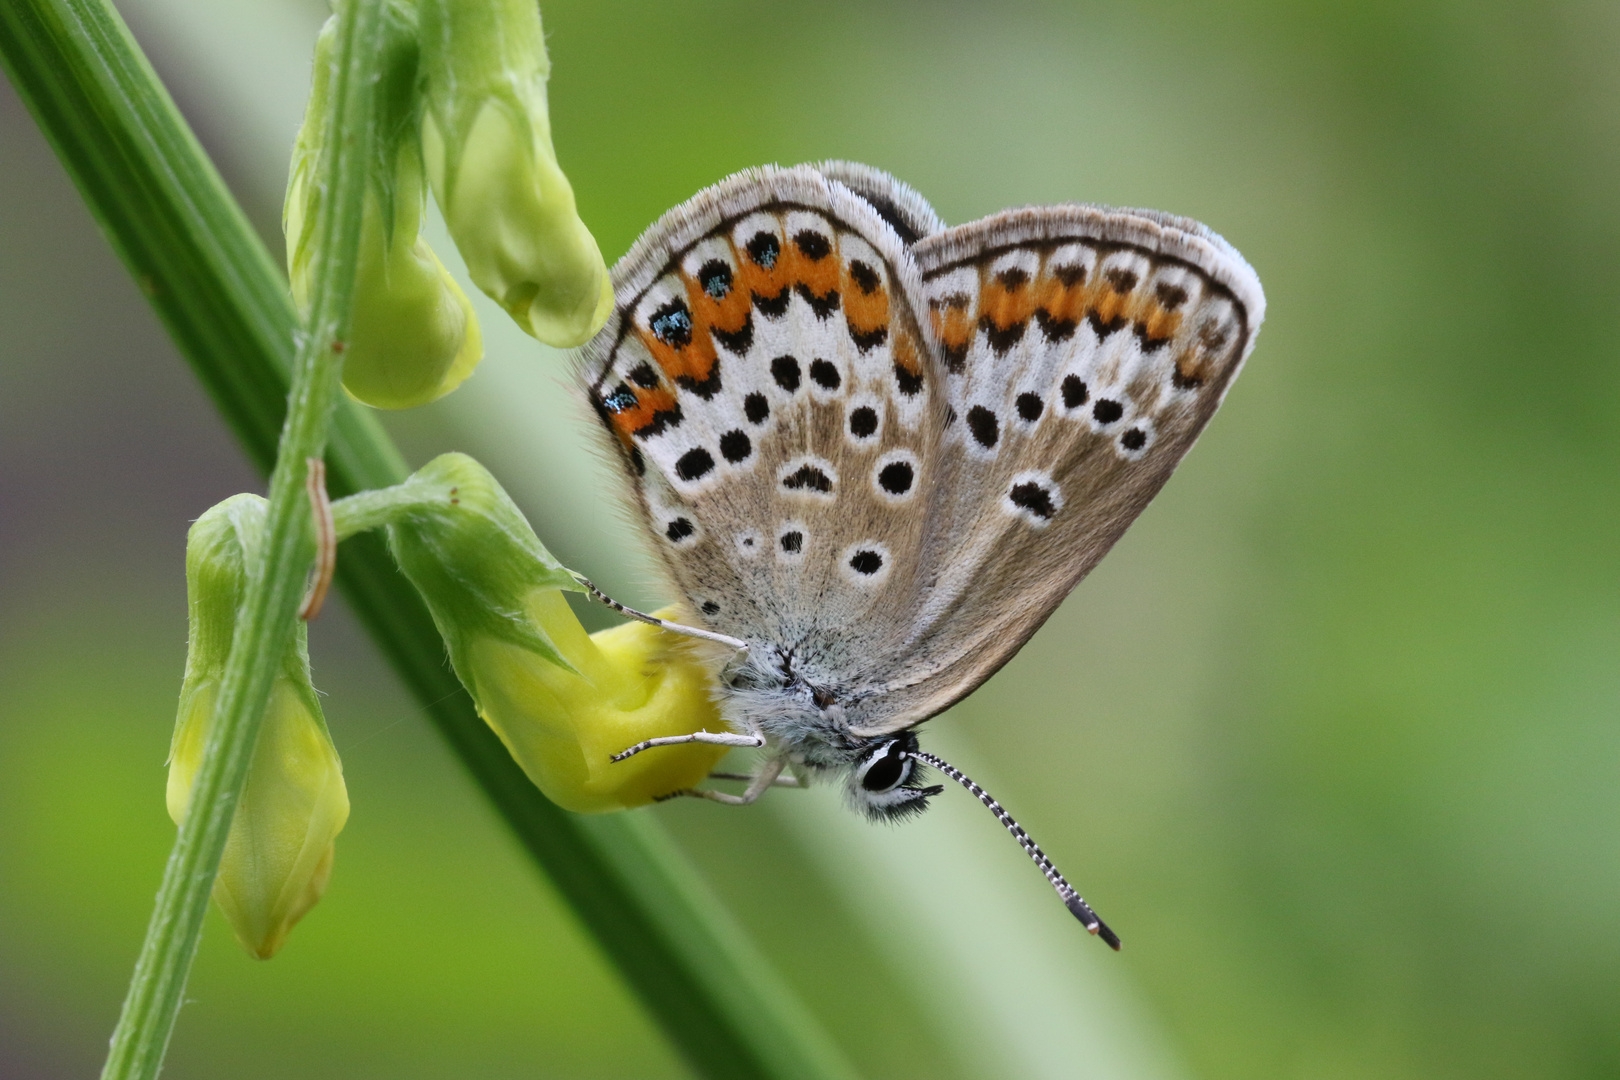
<point>875,453</point>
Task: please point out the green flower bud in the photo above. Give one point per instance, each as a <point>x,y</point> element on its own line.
<point>486,137</point>
<point>562,701</point>
<point>278,856</point>
<point>414,336</point>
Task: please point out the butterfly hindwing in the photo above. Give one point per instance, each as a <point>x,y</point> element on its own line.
<point>1084,350</point>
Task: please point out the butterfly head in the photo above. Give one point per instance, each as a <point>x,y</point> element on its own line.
<point>885,783</point>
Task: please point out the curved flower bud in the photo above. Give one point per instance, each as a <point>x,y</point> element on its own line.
<point>562,701</point>
<point>486,137</point>
<point>278,856</point>
<point>414,337</point>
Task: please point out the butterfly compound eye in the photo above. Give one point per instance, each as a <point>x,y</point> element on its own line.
<point>886,767</point>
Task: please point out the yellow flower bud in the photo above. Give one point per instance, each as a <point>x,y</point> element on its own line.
<point>414,336</point>
<point>635,682</point>
<point>563,702</point>
<point>486,138</point>
<point>278,856</point>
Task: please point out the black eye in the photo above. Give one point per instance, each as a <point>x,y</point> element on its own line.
<point>889,768</point>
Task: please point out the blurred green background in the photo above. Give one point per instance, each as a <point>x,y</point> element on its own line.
<point>1331,737</point>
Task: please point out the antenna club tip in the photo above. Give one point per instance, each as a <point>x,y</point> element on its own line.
<point>1088,918</point>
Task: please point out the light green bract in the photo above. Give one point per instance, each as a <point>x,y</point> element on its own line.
<point>486,139</point>
<point>278,856</point>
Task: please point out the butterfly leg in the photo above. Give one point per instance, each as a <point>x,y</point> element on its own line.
<point>780,781</point>
<point>769,775</point>
<point>713,738</point>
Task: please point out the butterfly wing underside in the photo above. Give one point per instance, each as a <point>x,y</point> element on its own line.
<point>887,450</point>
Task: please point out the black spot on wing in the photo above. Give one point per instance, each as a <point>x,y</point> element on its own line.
<point>863,422</point>
<point>715,277</point>
<point>679,529</point>
<point>1074,390</point>
<point>866,562</point>
<point>792,541</point>
<point>812,244</point>
<point>695,463</point>
<point>644,376</point>
<point>756,408</point>
<point>984,426</point>
<point>1107,411</point>
<point>865,278</point>
<point>897,477</point>
<point>1034,498</point>
<point>735,446</point>
<point>807,478</point>
<point>764,248</point>
<point>672,324</point>
<point>825,374</point>
<point>1030,406</point>
<point>785,370</point>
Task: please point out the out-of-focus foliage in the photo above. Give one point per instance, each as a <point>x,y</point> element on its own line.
<point>1330,738</point>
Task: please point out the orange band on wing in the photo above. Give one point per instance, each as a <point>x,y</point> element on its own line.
<point>866,304</point>
<point>818,276</point>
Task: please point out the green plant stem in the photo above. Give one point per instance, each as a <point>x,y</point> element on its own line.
<point>381,506</point>
<point>223,299</point>
<point>275,586</point>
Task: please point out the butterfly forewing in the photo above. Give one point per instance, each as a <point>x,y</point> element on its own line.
<point>766,378</point>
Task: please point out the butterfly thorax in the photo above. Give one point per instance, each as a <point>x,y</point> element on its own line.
<point>812,725</point>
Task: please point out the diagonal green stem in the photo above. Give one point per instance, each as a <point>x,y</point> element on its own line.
<point>223,299</point>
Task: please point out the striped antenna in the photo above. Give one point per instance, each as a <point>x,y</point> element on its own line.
<point>1071,899</point>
